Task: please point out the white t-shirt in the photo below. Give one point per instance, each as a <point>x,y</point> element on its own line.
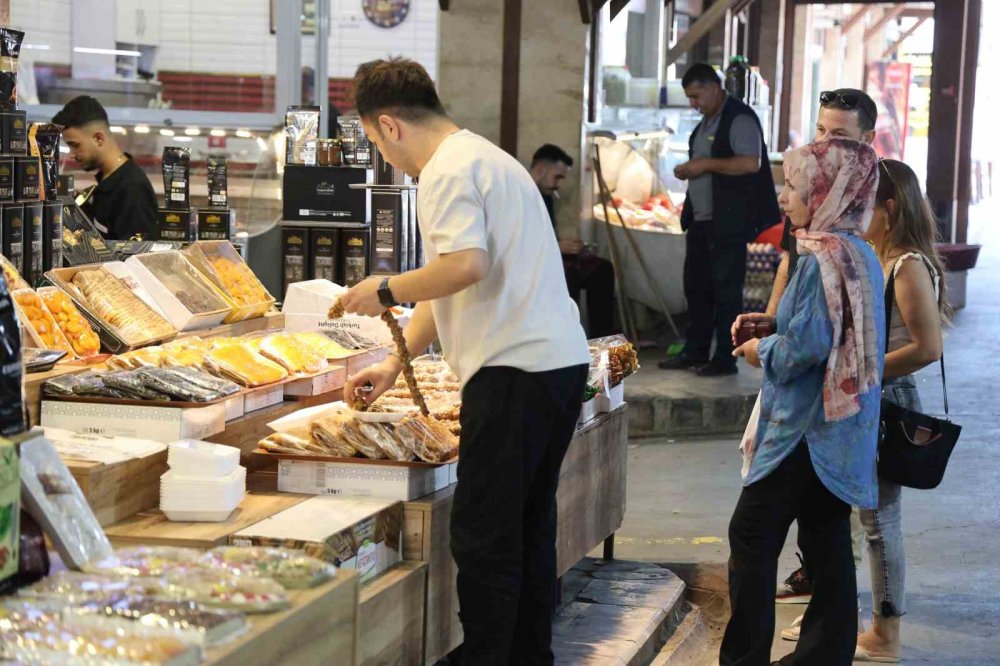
<point>472,195</point>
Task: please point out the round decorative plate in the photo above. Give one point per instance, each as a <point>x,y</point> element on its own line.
<point>386,13</point>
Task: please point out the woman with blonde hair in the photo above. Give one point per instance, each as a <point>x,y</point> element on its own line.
<point>812,448</point>
<point>902,231</point>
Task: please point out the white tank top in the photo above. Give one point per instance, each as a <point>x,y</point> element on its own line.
<point>899,336</point>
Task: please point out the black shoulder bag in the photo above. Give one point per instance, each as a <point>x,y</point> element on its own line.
<point>913,448</point>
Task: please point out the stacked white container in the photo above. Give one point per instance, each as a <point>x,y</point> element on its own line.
<point>205,482</point>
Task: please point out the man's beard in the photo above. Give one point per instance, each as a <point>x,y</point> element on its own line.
<point>90,165</point>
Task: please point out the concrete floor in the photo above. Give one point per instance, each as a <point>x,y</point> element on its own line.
<point>681,495</point>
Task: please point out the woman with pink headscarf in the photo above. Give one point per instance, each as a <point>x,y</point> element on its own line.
<point>813,451</point>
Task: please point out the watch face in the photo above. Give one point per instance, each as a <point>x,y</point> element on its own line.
<point>386,13</point>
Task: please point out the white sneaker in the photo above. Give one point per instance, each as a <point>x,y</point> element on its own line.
<point>792,632</point>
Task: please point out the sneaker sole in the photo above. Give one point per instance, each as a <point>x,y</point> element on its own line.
<point>789,635</point>
<point>800,599</point>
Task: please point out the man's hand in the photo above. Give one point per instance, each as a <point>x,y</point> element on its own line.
<point>750,316</point>
<point>571,246</point>
<point>381,377</point>
<point>748,350</point>
<point>362,298</point>
<point>690,169</point>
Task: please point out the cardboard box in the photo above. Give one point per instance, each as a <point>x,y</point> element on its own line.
<point>361,479</point>
<point>160,424</point>
<point>263,398</point>
<point>175,225</point>
<point>216,223</point>
<point>32,236</point>
<point>307,303</point>
<point>612,401</point>
<point>178,314</point>
<point>353,533</point>
<point>323,194</point>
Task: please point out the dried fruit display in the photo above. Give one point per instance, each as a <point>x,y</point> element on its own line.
<point>44,326</point>
<point>78,331</point>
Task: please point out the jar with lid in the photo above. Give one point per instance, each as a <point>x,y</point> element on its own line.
<point>328,152</point>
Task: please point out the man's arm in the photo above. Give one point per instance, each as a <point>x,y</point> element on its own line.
<point>738,165</point>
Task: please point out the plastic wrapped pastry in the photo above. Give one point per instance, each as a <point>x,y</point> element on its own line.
<point>322,344</point>
<point>182,358</point>
<point>131,383</point>
<point>114,303</point>
<point>221,589</point>
<point>72,587</point>
<point>91,384</point>
<point>429,439</point>
<point>328,431</point>
<point>283,442</point>
<point>59,644</point>
<point>165,380</point>
<point>291,568</point>
<point>185,619</point>
<point>151,561</point>
<point>207,381</point>
<point>293,355</point>
<point>382,435</point>
<point>61,385</point>
<point>243,366</point>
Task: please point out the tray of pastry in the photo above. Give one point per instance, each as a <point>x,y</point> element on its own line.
<point>189,300</point>
<point>224,267</point>
<point>146,387</point>
<point>123,313</point>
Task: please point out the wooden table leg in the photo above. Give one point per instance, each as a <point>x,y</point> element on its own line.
<point>609,548</point>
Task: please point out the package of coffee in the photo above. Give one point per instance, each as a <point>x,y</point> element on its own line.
<point>10,51</point>
<point>65,185</point>
<point>215,224</point>
<point>27,178</point>
<point>348,139</point>
<point>31,224</point>
<point>52,235</point>
<point>175,225</point>
<point>354,256</point>
<point>362,147</point>
<point>43,142</point>
<point>14,132</point>
<point>295,245</point>
<point>82,242</point>
<point>301,133</point>
<point>324,246</point>
<point>13,413</point>
<point>176,181</point>
<point>6,179</point>
<point>217,182</point>
<point>12,234</point>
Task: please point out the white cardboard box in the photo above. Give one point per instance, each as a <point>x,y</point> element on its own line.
<point>172,307</point>
<point>351,532</point>
<point>306,305</point>
<point>362,480</point>
<point>612,401</point>
<point>160,424</point>
<point>255,400</point>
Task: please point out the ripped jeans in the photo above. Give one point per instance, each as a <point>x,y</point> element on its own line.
<point>884,526</point>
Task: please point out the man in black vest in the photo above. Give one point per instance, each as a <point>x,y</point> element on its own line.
<point>730,199</point>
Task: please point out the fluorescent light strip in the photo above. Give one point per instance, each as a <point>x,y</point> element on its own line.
<point>243,134</point>
<point>88,49</point>
<point>142,129</point>
<point>218,132</point>
<point>36,47</point>
<point>193,131</point>
<point>183,139</point>
<point>167,132</point>
<point>115,129</point>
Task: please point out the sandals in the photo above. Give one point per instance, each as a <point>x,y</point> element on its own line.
<point>861,654</point>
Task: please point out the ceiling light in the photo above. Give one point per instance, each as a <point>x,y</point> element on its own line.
<point>193,131</point>
<point>262,145</point>
<point>218,132</point>
<point>243,134</point>
<point>87,49</point>
<point>142,129</point>
<point>167,132</point>
<point>115,129</point>
<point>36,47</point>
<point>183,139</point>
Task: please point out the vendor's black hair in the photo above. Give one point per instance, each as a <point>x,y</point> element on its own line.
<point>551,153</point>
<point>398,86</point>
<point>81,111</point>
<point>867,110</point>
<point>700,72</point>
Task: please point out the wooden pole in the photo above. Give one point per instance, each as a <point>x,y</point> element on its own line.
<point>902,38</point>
<point>510,84</point>
<point>708,19</point>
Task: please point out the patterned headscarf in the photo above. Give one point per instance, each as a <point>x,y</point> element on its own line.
<point>837,180</point>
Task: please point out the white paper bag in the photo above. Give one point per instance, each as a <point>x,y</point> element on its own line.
<point>749,441</point>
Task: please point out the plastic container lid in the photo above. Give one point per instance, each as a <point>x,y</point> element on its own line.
<point>202,460</point>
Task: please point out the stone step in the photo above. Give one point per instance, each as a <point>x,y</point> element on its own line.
<point>689,643</point>
<point>679,403</point>
<point>616,613</point>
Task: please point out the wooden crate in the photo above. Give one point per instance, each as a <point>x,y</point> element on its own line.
<point>117,491</point>
<point>318,630</point>
<point>391,617</point>
<point>591,499</point>
<point>152,527</point>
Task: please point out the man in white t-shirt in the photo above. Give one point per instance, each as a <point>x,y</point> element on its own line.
<point>493,292</point>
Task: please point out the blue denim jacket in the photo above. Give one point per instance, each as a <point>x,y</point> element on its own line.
<point>791,407</point>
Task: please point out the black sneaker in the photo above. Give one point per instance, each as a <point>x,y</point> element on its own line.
<point>681,362</point>
<point>714,369</point>
<point>797,588</point>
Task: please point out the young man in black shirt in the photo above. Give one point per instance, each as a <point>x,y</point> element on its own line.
<point>123,204</point>
<point>584,270</point>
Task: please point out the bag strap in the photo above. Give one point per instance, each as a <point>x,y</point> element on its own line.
<point>890,299</point>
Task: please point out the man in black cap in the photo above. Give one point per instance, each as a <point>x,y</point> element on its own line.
<point>123,204</point>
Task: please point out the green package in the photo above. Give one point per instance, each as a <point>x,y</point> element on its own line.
<point>10,508</point>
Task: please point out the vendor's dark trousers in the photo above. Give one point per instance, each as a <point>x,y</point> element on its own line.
<point>714,272</point>
<point>597,276</point>
<point>516,427</point>
<point>757,533</point>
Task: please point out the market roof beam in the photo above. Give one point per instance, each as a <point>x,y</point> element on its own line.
<point>616,7</point>
<point>585,11</point>
<point>855,18</point>
<point>444,4</point>
<point>708,19</point>
<point>902,38</point>
<point>893,13</point>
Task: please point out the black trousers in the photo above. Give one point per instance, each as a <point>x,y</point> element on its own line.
<point>757,533</point>
<point>714,272</point>
<point>597,276</point>
<point>516,427</point>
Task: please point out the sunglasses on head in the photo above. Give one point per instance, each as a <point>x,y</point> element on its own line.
<point>845,101</point>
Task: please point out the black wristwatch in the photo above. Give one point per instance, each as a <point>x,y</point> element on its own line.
<point>385,295</point>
